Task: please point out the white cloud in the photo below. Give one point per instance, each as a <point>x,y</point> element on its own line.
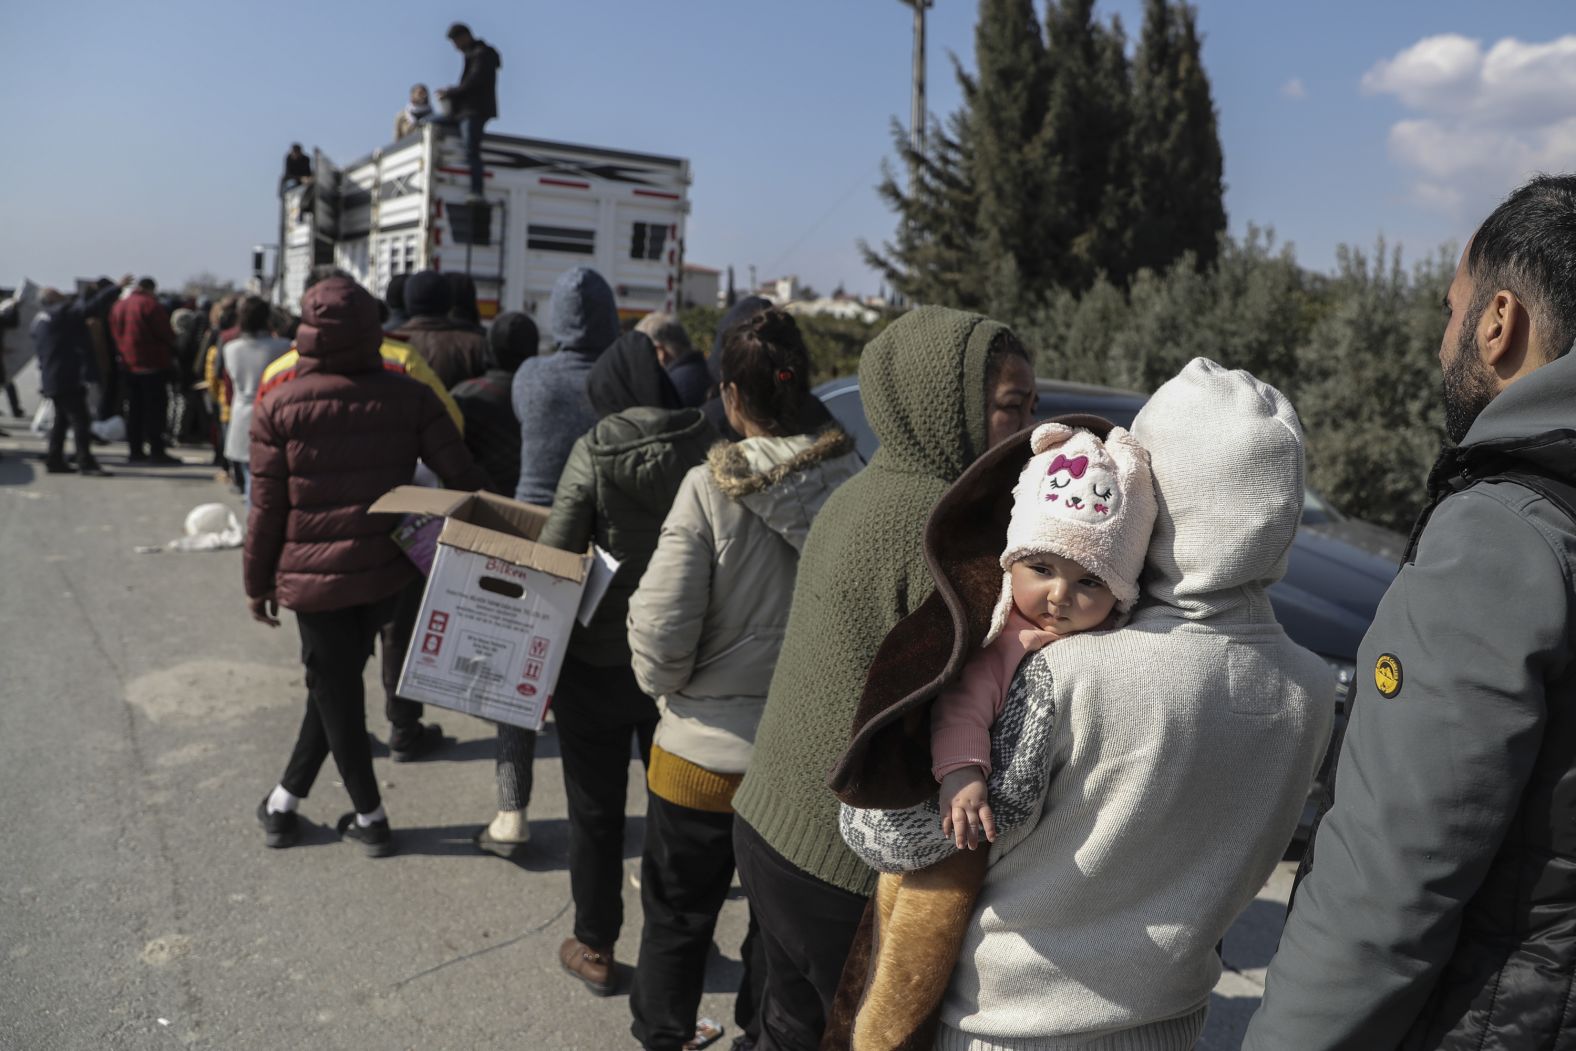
<point>1294,89</point>
<point>1482,120</point>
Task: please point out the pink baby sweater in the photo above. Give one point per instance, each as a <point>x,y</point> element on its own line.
<point>962,716</point>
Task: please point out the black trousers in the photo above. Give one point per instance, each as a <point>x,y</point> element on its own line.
<point>806,928</point>
<point>71,412</point>
<point>685,874</point>
<point>335,646</point>
<point>598,712</point>
<point>111,389</point>
<point>147,404</point>
<point>393,643</point>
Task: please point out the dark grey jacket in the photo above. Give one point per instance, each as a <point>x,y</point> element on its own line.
<point>1439,910</point>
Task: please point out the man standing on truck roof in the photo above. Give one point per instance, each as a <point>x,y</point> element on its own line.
<point>474,100</point>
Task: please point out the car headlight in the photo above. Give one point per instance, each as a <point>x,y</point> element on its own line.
<point>1345,675</point>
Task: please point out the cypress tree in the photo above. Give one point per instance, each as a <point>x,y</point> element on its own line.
<point>1177,166</point>
<point>1084,145</point>
<point>1006,115</point>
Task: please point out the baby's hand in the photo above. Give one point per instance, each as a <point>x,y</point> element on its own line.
<point>965,808</point>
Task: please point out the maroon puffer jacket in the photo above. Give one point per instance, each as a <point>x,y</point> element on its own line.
<point>335,435</point>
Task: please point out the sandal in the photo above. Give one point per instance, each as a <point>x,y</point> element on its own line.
<point>509,849</point>
<point>707,1033</point>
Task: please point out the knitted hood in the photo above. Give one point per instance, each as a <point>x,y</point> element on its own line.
<point>582,314</point>
<point>340,331</point>
<point>784,481</point>
<point>923,385</point>
<point>1220,542</point>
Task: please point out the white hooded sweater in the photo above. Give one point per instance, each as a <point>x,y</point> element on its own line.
<point>1182,750</point>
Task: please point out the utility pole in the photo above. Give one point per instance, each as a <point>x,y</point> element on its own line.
<point>916,118</point>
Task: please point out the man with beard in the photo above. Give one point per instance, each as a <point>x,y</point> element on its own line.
<point>1438,898</point>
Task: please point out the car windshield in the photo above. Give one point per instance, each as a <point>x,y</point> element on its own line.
<point>841,397</point>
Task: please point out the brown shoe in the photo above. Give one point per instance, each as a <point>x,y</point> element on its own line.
<point>592,966</point>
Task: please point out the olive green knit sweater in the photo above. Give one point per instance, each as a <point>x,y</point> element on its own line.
<point>863,570</point>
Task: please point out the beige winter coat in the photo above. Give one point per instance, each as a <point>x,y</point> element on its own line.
<point>708,618</point>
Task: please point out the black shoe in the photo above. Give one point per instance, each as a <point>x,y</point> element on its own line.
<point>165,460</point>
<point>93,469</point>
<point>137,458</point>
<point>422,742</point>
<point>376,840</point>
<point>58,468</point>
<point>279,829</point>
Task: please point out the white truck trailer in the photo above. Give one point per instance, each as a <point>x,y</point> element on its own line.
<point>548,206</point>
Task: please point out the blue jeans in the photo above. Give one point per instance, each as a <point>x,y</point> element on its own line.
<point>470,126</point>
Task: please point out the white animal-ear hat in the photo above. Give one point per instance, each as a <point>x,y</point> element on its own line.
<point>1083,499</point>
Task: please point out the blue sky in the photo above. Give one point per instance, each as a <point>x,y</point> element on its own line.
<point>151,142</point>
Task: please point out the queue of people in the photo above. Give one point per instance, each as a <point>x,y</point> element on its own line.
<point>998,730</point>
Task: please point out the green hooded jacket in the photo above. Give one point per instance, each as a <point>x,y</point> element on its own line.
<point>863,569</point>
<point>616,490</point>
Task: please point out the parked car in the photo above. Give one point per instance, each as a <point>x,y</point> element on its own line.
<point>1338,570</point>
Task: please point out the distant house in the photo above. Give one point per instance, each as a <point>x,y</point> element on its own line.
<point>702,287</point>
<point>839,306</point>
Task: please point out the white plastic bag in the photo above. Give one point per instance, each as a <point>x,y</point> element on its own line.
<point>110,430</point>
<point>209,527</point>
<point>44,418</point>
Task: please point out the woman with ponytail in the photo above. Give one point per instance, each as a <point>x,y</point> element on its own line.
<point>705,626</point>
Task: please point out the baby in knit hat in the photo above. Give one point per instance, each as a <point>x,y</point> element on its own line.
<point>1082,513</point>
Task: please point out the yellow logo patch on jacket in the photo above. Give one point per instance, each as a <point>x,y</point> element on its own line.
<point>1387,674</point>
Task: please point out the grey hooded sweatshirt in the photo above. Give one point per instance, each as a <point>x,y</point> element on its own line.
<point>708,618</point>
<point>1180,750</point>
<point>549,393</point>
<point>1440,905</point>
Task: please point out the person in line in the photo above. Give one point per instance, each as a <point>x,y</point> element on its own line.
<point>940,387</point>
<point>463,308</point>
<point>65,368</point>
<point>474,100</point>
<point>1440,887</point>
<point>492,433</point>
<point>245,358</point>
<point>394,298</point>
<point>328,438</point>
<point>409,738</point>
<point>147,348</point>
<point>455,352</point>
<point>616,489</point>
<point>549,395</point>
<point>493,436</point>
<point>107,366</point>
<point>416,111</point>
<point>704,628</point>
<point>221,329</point>
<point>686,366</point>
<point>1192,735</point>
<point>10,317</point>
<point>737,314</point>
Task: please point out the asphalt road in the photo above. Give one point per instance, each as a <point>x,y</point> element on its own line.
<point>142,717</point>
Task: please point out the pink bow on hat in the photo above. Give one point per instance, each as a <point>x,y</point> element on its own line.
<point>1075,467</point>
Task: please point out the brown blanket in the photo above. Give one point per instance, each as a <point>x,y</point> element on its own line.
<point>903,955</point>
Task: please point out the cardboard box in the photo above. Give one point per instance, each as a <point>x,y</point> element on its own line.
<point>498,608</point>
